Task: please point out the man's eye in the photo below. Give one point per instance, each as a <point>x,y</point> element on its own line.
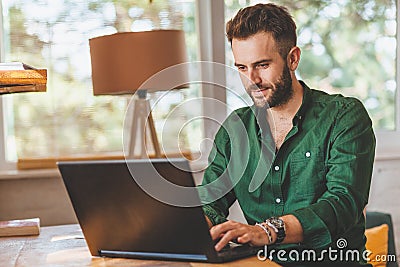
<point>263,66</point>
<point>241,68</point>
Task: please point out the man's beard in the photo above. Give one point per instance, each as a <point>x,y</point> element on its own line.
<point>282,91</point>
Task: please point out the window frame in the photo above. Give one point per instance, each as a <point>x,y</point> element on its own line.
<point>388,142</point>
<point>211,32</point>
<point>4,164</point>
<point>42,162</point>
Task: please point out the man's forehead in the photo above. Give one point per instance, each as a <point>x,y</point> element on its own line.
<point>251,48</point>
<point>259,37</point>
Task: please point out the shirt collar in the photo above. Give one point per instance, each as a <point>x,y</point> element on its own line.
<point>304,104</point>
<point>261,120</point>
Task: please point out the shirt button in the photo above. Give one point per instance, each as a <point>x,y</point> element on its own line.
<point>278,200</point>
<point>276,168</point>
<point>308,154</point>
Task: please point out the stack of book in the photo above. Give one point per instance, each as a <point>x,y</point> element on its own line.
<point>20,227</point>
<point>16,77</point>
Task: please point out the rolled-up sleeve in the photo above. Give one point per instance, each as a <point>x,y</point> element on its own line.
<point>218,210</point>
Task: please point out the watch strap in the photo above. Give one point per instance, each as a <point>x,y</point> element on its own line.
<point>278,225</point>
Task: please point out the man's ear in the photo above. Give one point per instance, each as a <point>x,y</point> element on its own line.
<point>293,58</point>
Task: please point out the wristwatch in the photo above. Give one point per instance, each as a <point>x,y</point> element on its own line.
<point>278,225</point>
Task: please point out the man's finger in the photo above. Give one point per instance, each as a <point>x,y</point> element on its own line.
<point>217,230</point>
<point>244,238</point>
<point>229,236</point>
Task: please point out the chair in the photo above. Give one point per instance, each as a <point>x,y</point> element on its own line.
<point>374,218</point>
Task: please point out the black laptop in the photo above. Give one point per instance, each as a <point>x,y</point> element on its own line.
<point>120,218</point>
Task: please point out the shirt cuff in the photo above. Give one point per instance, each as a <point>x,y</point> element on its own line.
<point>315,232</point>
<point>213,215</point>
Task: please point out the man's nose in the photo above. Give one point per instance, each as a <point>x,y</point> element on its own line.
<point>254,76</point>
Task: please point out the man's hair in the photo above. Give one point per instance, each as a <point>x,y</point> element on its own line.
<point>269,18</point>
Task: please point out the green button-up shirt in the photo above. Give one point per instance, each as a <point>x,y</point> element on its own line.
<point>321,173</point>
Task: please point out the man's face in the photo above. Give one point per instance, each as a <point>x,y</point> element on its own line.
<point>264,73</point>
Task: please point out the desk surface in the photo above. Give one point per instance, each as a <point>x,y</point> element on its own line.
<point>64,246</point>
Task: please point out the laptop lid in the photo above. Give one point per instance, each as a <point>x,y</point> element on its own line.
<point>119,219</point>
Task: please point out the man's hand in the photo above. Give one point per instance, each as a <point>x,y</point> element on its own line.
<point>241,233</point>
<point>209,223</point>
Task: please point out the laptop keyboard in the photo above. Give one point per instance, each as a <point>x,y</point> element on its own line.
<point>233,248</point>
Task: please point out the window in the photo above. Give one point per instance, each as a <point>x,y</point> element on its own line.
<point>68,120</point>
<point>348,47</point>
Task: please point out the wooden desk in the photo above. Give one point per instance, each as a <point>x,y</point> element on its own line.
<point>64,246</point>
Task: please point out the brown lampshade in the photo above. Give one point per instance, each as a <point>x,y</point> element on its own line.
<point>122,62</point>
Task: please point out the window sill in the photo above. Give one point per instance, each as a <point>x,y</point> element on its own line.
<point>387,156</point>
<point>29,174</point>
<point>51,163</point>
<point>196,165</point>
<point>36,170</point>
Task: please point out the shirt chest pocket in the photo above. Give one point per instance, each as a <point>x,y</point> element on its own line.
<point>307,173</point>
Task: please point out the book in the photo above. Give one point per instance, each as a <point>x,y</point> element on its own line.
<point>20,227</point>
<point>4,89</point>
<point>20,77</point>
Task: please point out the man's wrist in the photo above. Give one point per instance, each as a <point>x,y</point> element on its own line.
<point>267,231</point>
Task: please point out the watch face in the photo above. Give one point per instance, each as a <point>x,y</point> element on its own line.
<point>279,226</point>
<point>277,222</point>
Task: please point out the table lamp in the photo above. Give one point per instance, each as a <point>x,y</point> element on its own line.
<point>122,62</point>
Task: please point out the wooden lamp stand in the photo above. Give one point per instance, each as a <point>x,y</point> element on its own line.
<point>143,121</point>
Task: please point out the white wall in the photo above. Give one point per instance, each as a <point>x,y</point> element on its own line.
<point>385,193</point>
<point>35,194</point>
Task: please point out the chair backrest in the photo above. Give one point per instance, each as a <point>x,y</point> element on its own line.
<point>375,218</point>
